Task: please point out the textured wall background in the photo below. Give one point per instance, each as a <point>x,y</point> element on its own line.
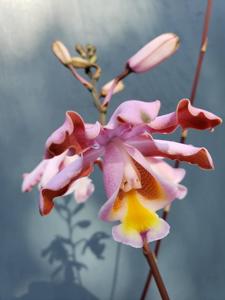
<point>35,92</point>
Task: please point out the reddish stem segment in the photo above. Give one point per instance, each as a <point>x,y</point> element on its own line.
<point>183,137</point>
<point>155,271</point>
<point>118,78</point>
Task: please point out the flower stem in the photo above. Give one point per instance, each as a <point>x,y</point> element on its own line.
<point>118,78</point>
<point>203,48</point>
<point>81,79</point>
<point>155,271</point>
<point>92,89</point>
<point>96,100</point>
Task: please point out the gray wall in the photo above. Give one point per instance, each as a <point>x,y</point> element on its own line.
<point>35,92</point>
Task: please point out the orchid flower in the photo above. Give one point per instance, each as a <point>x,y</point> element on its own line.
<point>137,180</point>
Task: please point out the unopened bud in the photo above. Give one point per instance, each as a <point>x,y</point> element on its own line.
<point>93,59</point>
<point>79,63</point>
<point>106,88</point>
<point>91,50</point>
<point>61,52</point>
<point>80,50</point>
<point>155,52</point>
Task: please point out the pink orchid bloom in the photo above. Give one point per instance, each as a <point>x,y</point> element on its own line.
<point>82,188</point>
<point>137,180</point>
<point>153,53</point>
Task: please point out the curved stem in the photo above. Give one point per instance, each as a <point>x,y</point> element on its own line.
<point>81,79</point>
<point>102,110</point>
<point>183,137</point>
<point>92,89</point>
<point>118,78</point>
<point>96,100</point>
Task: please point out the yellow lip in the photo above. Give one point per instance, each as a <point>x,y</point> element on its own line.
<point>138,217</point>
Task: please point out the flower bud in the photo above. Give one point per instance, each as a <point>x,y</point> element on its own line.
<point>79,63</point>
<point>106,88</point>
<point>93,59</point>
<point>155,52</point>
<point>61,52</point>
<point>80,50</point>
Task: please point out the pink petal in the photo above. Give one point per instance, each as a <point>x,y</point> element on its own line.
<point>70,134</point>
<point>192,117</point>
<point>165,123</point>
<point>155,52</point>
<point>34,177</point>
<point>158,232</point>
<point>173,150</point>
<point>132,239</point>
<point>92,130</point>
<point>134,112</point>
<point>182,152</point>
<point>82,188</point>
<point>173,175</point>
<point>181,191</point>
<point>187,116</point>
<point>113,166</point>
<point>52,168</point>
<point>61,182</point>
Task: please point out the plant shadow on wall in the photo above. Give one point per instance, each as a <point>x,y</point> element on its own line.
<point>63,254</point>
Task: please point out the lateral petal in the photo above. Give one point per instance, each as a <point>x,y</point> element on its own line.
<point>186,116</point>
<point>62,181</point>
<point>34,177</point>
<point>175,151</point>
<point>70,135</point>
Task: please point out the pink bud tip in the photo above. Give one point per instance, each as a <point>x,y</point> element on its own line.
<point>61,52</point>
<point>155,52</point>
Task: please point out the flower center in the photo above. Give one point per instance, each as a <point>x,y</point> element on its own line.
<point>131,176</point>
